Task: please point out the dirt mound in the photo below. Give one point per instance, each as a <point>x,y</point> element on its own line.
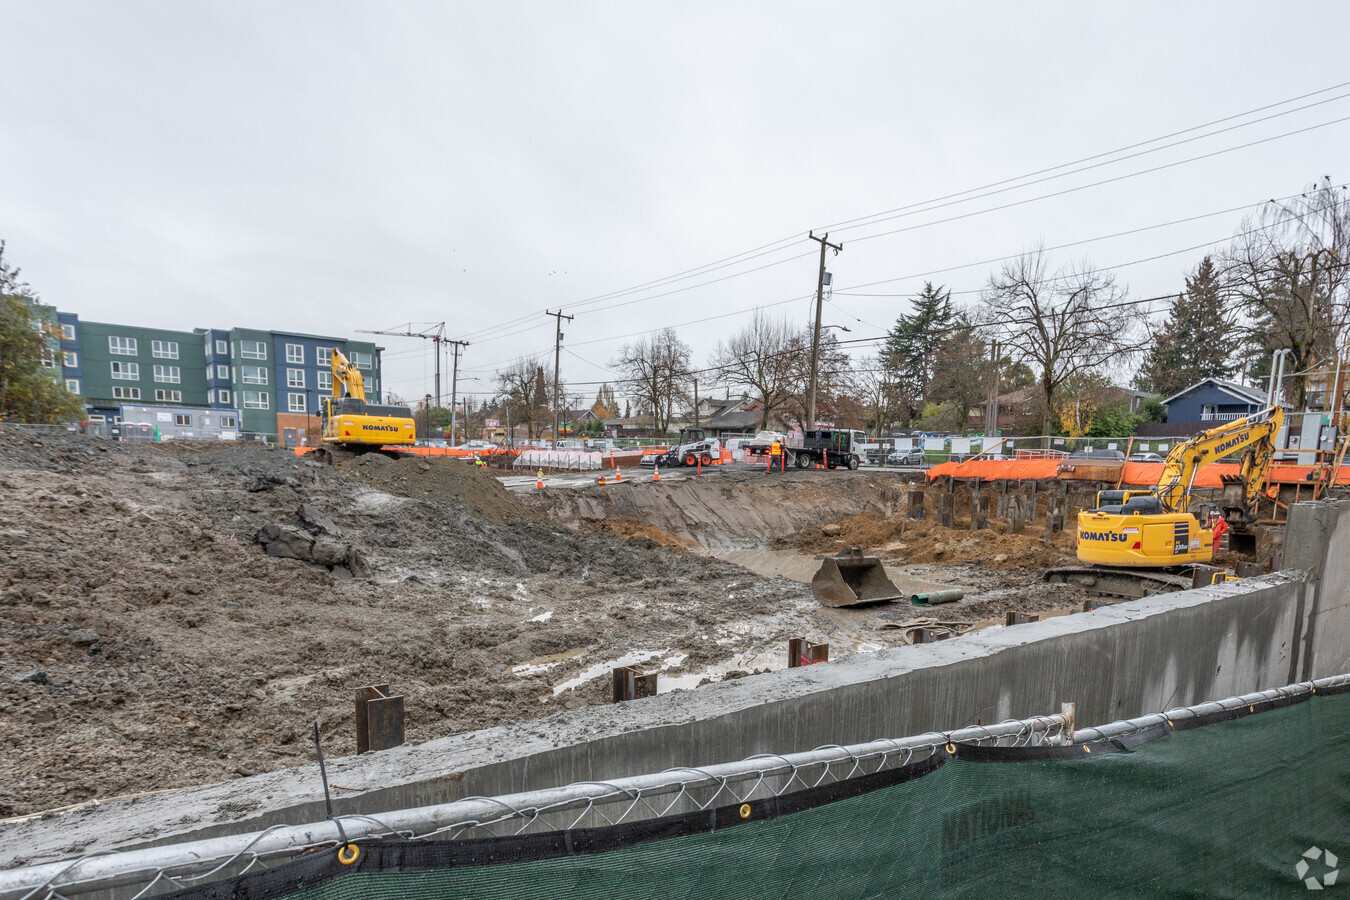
<point>901,541</point>
<point>634,530</point>
<point>456,482</point>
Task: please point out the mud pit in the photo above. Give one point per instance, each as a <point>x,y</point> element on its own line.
<point>148,641</point>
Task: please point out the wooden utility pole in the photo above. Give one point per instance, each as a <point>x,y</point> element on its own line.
<point>815,337</point>
<point>557,360</point>
<point>695,402</point>
<point>454,387</point>
<point>991,408</point>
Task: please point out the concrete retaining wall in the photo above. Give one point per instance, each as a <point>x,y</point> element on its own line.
<point>1117,662</point>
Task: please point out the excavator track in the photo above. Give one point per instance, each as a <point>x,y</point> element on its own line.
<point>1131,584</point>
<point>331,455</point>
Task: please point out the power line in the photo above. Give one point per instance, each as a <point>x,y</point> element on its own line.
<point>774,246</point>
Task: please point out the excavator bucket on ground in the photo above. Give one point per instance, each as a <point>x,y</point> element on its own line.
<point>852,579</point>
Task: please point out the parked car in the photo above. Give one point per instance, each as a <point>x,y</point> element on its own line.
<point>475,445</point>
<point>913,457</point>
<point>1146,457</point>
<point>1105,455</point>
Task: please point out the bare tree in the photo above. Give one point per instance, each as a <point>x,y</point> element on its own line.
<point>1062,323</point>
<point>878,387</point>
<point>760,360</point>
<point>1289,270</point>
<point>834,378</point>
<point>520,387</point>
<point>656,372</point>
<point>961,371</point>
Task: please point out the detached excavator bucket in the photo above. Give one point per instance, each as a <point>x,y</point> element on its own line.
<point>851,579</point>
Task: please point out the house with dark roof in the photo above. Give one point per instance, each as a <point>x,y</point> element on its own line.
<point>1212,401</point>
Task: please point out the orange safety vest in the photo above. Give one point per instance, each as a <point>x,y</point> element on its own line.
<point>776,449</point>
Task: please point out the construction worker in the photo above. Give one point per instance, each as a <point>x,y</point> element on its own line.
<point>776,452</point>
<point>1220,526</point>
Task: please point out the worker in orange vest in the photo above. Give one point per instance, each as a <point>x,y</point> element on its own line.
<point>775,453</point>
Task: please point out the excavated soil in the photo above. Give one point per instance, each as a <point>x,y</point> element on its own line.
<point>147,641</point>
<point>902,541</point>
<point>179,613</point>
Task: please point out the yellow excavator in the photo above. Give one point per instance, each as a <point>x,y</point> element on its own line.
<point>1142,542</point>
<point>351,424</point>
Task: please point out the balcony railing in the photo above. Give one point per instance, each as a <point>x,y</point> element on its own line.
<point>1222,417</point>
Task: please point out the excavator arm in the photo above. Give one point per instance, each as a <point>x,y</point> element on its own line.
<point>347,380</point>
<point>1255,435</point>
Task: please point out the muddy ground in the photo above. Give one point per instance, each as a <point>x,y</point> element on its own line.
<point>149,641</point>
<point>180,613</point>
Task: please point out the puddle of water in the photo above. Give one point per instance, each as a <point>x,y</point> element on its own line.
<point>544,663</point>
<point>633,658</point>
<point>748,663</point>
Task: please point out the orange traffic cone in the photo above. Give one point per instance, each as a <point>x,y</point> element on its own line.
<point>656,474</point>
<point>539,481</point>
<point>618,475</point>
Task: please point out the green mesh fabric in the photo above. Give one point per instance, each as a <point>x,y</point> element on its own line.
<point>1226,809</point>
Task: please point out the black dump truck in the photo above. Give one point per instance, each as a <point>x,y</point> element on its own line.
<point>828,447</point>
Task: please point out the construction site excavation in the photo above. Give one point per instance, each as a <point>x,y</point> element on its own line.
<point>181,613</point>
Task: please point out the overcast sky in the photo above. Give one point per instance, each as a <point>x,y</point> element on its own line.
<point>333,167</point>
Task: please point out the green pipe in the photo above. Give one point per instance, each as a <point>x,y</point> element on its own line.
<point>933,597</point>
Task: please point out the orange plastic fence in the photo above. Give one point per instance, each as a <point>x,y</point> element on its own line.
<point>1137,474</point>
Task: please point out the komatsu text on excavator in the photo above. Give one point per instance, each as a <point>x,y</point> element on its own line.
<point>351,424</point>
<point>1141,542</point>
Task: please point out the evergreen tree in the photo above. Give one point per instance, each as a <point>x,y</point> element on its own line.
<point>911,346</point>
<point>1195,343</point>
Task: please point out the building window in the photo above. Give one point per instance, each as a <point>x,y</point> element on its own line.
<point>295,378</point>
<point>120,346</point>
<point>224,396</point>
<point>255,374</point>
<point>295,353</point>
<point>125,371</point>
<point>164,349</point>
<point>126,393</point>
<point>253,350</point>
<point>223,373</point>
<point>168,374</point>
<point>296,403</point>
<point>255,400</point>
<point>324,356</point>
<point>325,381</point>
<point>67,332</point>
<point>169,396</point>
<point>222,348</point>
<point>71,360</point>
<point>73,385</point>
<point>227,422</point>
<point>361,360</point>
<point>183,419</point>
<point>48,359</point>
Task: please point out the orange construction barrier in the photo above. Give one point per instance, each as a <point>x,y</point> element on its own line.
<point>1135,473</point>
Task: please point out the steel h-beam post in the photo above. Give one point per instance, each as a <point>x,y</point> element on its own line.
<point>815,336</point>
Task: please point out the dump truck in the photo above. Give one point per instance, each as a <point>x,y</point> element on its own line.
<point>829,447</point>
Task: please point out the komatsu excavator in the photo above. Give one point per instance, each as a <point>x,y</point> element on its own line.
<point>1143,542</point>
<point>351,424</point>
